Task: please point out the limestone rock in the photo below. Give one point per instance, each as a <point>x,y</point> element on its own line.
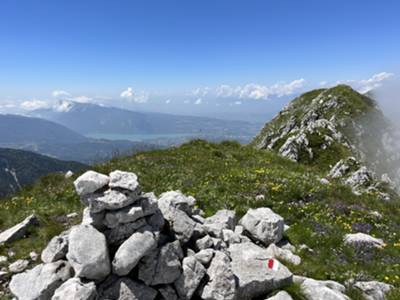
<point>18,231</point>
<point>257,274</point>
<point>223,219</point>
<point>362,240</point>
<point>188,282</point>
<point>373,290</point>
<point>41,281</point>
<point>119,234</point>
<point>110,200</point>
<point>204,256</point>
<point>18,266</point>
<point>177,200</point>
<point>74,289</point>
<point>89,182</point>
<point>88,252</point>
<point>163,267</point>
<point>283,254</point>
<point>263,225</point>
<point>124,180</point>
<point>282,295</point>
<point>127,289</point>
<point>141,208</point>
<point>204,243</point>
<point>316,290</point>
<point>56,249</point>
<point>221,283</point>
<point>168,293</point>
<point>131,251</point>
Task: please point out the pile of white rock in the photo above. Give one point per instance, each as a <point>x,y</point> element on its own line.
<point>131,245</point>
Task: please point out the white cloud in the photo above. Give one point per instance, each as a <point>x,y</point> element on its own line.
<point>81,99</point>
<point>60,93</point>
<point>168,101</point>
<point>259,92</point>
<point>366,85</point>
<point>238,103</point>
<point>131,96</point>
<point>203,91</point>
<point>34,104</point>
<point>198,101</point>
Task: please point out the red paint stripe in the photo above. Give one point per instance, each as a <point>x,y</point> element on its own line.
<point>270,263</point>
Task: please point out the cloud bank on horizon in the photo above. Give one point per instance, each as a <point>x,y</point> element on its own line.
<point>231,94</point>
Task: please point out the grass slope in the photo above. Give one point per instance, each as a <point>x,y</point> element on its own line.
<point>228,175</point>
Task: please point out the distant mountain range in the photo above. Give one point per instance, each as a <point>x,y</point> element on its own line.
<point>92,119</point>
<point>52,139</point>
<point>19,168</point>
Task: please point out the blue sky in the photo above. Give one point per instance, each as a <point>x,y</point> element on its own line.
<point>94,50</point>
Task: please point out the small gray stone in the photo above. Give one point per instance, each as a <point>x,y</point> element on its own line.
<point>163,266</point>
<point>223,219</point>
<point>127,289</point>
<point>18,231</point>
<point>362,240</point>
<point>110,200</point>
<point>88,252</point>
<point>188,282</point>
<point>75,289</point>
<point>168,293</point>
<point>282,295</point>
<point>3,259</point>
<point>18,266</point>
<point>373,290</point>
<point>119,234</point>
<point>283,254</point>
<point>204,256</point>
<point>204,243</point>
<point>141,208</point>
<point>41,281</point>
<point>33,255</point>
<point>263,225</point>
<point>94,219</point>
<point>131,251</point>
<point>222,283</point>
<point>56,249</point>
<point>124,180</point>
<point>177,200</point>
<point>90,182</point>
<point>316,290</point>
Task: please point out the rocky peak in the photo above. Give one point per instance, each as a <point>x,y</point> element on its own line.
<point>328,127</point>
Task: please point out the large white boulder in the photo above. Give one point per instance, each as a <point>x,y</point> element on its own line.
<point>56,249</point>
<point>18,231</point>
<point>75,289</point>
<point>362,240</point>
<point>131,251</point>
<point>373,290</point>
<point>188,282</point>
<point>257,272</point>
<point>41,281</point>
<point>221,283</point>
<point>124,180</point>
<point>88,252</point>
<point>263,225</point>
<point>89,182</point>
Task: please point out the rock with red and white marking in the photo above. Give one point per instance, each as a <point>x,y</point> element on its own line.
<point>257,272</point>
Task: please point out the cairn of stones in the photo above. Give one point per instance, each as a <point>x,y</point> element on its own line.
<point>133,245</point>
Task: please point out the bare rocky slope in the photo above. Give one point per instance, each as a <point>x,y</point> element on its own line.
<point>340,131</point>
